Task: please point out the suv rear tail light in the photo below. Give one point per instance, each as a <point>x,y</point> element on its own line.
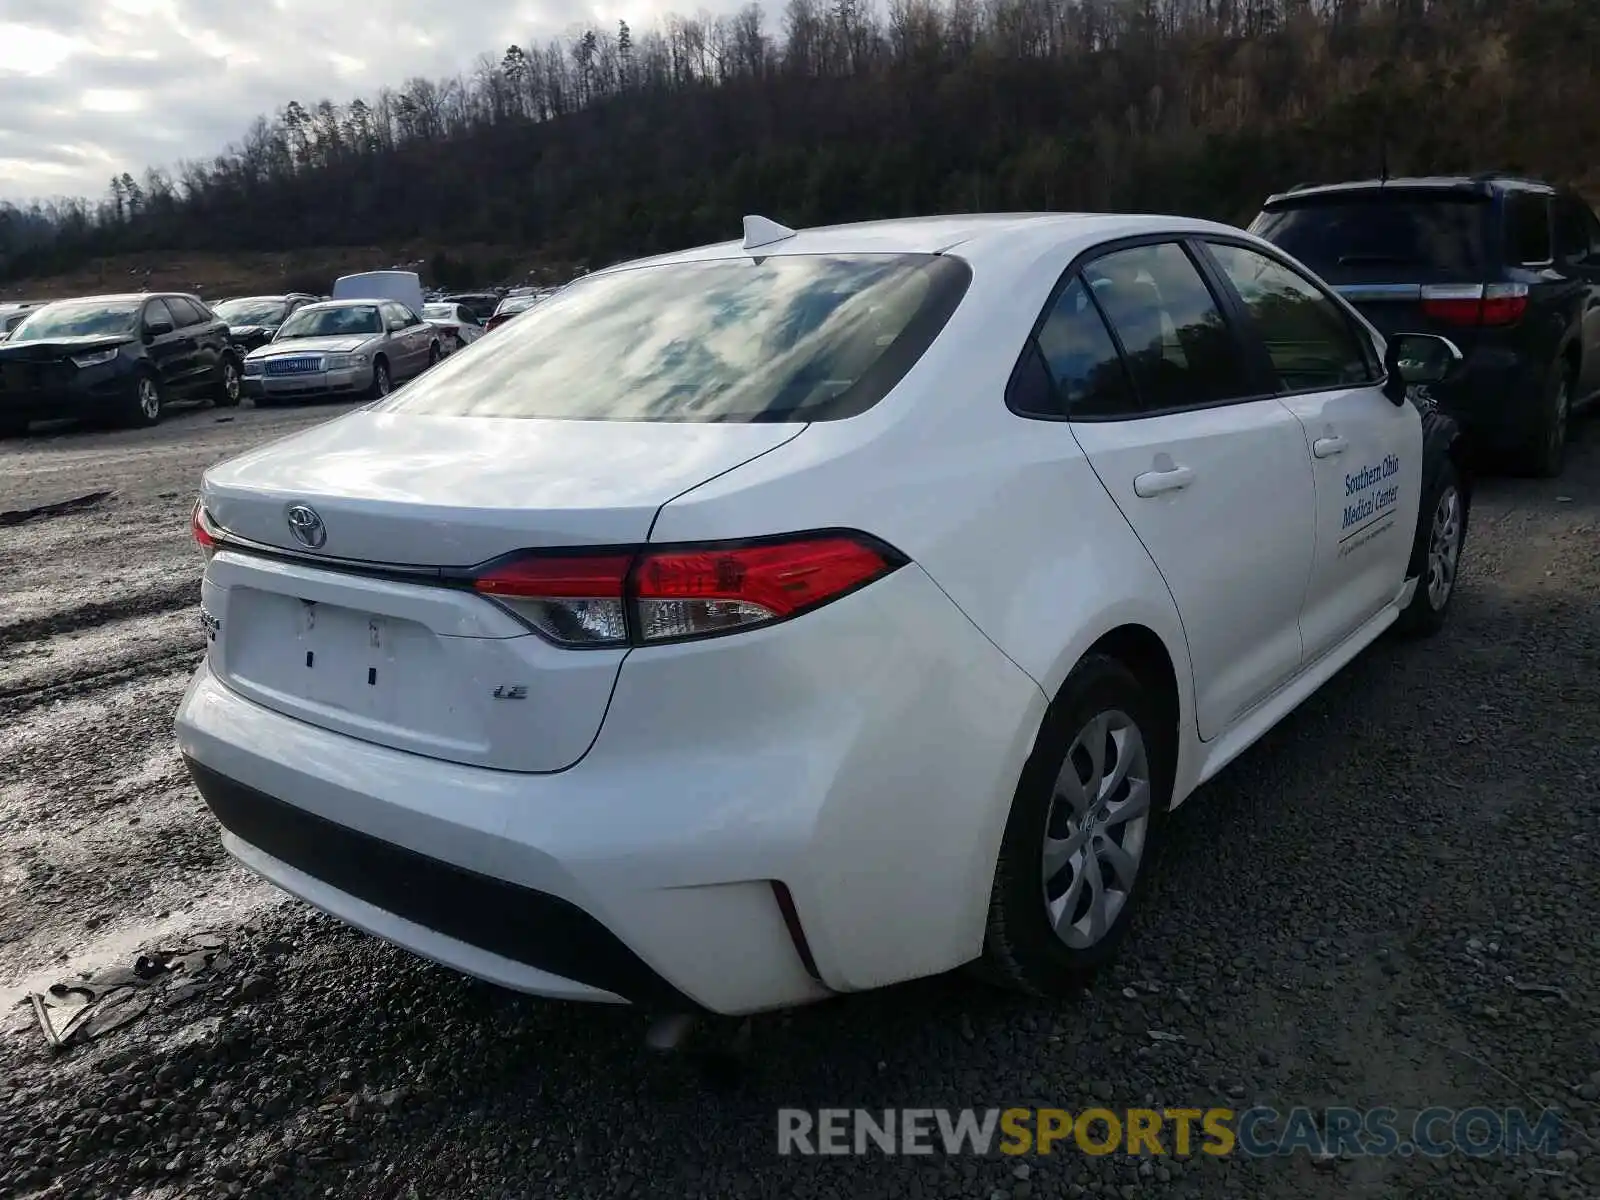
<point>669,594</point>
<point>1504,303</point>
<point>1475,304</point>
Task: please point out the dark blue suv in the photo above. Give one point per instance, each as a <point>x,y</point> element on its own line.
<point>1507,268</point>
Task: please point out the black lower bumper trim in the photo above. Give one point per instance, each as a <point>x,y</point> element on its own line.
<point>530,927</point>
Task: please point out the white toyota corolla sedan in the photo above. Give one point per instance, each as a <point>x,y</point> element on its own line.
<point>805,613</point>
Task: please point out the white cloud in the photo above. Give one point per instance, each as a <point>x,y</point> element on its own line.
<point>92,88</point>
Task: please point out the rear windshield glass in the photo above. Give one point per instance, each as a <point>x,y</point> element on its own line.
<point>782,338</point>
<point>1381,231</point>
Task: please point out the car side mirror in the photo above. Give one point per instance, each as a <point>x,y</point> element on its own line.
<point>1417,358</point>
<point>155,329</point>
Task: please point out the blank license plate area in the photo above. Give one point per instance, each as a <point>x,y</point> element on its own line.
<point>378,669</point>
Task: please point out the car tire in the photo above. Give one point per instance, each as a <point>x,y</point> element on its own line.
<point>230,383</point>
<point>148,402</point>
<point>382,381</point>
<point>1436,552</point>
<point>1102,704</point>
<point>434,355</point>
<point>1544,455</point>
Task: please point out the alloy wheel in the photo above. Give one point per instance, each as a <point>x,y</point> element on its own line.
<point>1558,423</point>
<point>1096,829</point>
<point>1444,547</point>
<point>149,399</point>
<point>230,382</point>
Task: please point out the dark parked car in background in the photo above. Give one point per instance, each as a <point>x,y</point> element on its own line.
<point>14,312</point>
<point>1507,268</point>
<point>119,359</point>
<point>253,320</point>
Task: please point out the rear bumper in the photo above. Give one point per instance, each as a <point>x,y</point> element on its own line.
<point>863,756</point>
<point>319,859</point>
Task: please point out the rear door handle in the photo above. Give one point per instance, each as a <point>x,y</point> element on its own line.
<point>1156,483</point>
<point>1327,447</point>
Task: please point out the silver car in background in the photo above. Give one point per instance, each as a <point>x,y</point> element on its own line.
<point>342,347</point>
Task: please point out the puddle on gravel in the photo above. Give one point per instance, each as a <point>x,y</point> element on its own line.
<point>119,944</point>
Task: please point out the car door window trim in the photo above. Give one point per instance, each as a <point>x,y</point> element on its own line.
<point>1185,241</point>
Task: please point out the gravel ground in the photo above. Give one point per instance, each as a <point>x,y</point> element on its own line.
<point>1388,901</point>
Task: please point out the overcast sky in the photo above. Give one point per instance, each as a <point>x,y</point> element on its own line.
<point>92,88</point>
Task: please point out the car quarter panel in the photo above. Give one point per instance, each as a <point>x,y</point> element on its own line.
<point>1003,513</point>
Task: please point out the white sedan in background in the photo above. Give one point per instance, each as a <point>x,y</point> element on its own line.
<point>456,324</point>
<point>799,615</point>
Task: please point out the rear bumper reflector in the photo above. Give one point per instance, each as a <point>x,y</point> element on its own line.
<point>527,926</point>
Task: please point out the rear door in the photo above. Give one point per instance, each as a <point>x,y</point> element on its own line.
<point>1209,469</point>
<point>203,349</point>
<point>408,333</point>
<point>167,352</point>
<point>1364,449</point>
<point>1411,259</point>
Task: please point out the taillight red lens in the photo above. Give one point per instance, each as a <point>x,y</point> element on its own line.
<point>1504,303</point>
<point>200,528</point>
<point>688,593</point>
<point>575,600</point>
<point>684,591</point>
<point>1453,311</point>
<point>1473,304</point>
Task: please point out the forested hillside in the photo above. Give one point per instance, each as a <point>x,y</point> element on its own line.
<point>619,142</point>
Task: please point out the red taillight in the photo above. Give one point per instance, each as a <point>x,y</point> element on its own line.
<point>1474,304</point>
<point>574,600</point>
<point>200,527</point>
<point>682,592</point>
<point>1504,303</point>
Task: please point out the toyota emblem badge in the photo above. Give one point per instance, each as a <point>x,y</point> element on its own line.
<point>307,526</point>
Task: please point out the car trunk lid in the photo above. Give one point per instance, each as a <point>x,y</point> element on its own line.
<point>364,634</point>
<point>404,490</point>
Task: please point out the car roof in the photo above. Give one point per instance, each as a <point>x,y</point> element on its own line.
<point>1482,185</point>
<point>129,297</point>
<point>346,303</point>
<point>978,235</point>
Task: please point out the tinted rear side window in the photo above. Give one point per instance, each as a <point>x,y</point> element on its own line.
<point>184,312</point>
<point>1528,228</point>
<point>1382,231</point>
<point>783,338</point>
<point>1179,349</point>
<point>1082,358</point>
